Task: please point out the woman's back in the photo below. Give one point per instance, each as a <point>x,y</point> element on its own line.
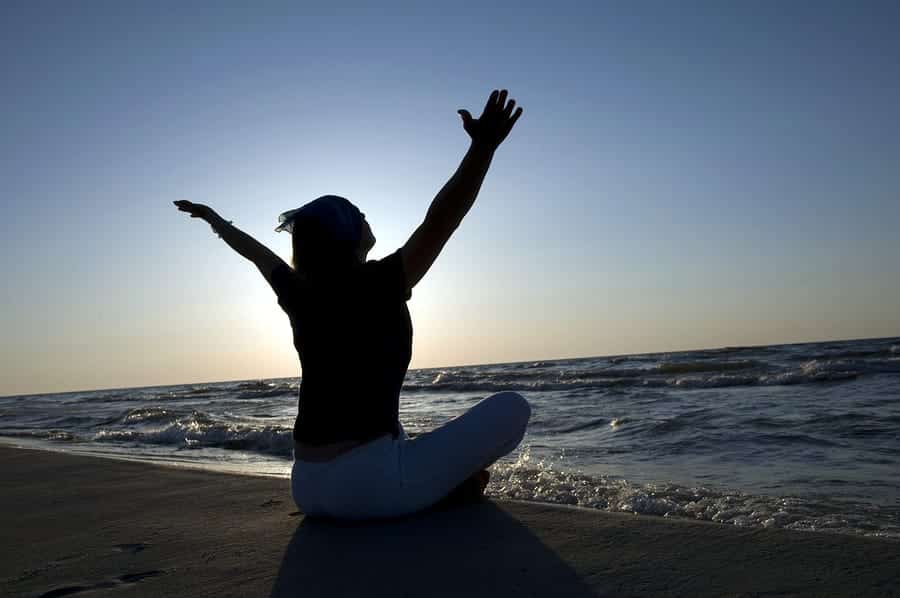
<point>354,340</point>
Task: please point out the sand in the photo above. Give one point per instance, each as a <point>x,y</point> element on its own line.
<point>73,524</point>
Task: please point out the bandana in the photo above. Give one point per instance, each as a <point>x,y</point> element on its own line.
<point>335,218</point>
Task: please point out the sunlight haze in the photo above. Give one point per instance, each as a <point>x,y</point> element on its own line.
<point>684,175</point>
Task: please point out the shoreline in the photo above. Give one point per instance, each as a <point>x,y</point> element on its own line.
<point>278,468</point>
<point>76,524</point>
<point>9,442</point>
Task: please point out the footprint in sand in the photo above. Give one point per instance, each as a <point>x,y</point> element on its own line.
<point>29,573</point>
<point>130,548</point>
<point>128,578</point>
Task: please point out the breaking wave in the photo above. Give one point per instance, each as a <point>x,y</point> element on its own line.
<point>271,440</point>
<point>682,375</point>
<point>705,366</point>
<point>527,479</point>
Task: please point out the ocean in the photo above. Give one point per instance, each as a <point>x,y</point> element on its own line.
<point>801,436</point>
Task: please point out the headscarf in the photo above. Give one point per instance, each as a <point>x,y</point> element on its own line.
<point>326,232</point>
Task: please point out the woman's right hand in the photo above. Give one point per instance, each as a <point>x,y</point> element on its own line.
<point>495,122</point>
<point>196,210</point>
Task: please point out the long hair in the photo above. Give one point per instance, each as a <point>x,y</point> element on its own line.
<point>318,255</point>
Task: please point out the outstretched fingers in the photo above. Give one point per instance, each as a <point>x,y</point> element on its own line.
<point>501,100</point>
<point>497,104</point>
<point>491,103</point>
<point>195,210</point>
<point>496,121</point>
<point>515,116</point>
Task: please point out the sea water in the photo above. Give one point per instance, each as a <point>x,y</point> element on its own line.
<point>803,436</point>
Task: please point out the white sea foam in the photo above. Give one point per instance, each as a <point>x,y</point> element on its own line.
<point>143,415</point>
<point>683,367</point>
<point>541,481</point>
<point>818,420</point>
<point>192,434</point>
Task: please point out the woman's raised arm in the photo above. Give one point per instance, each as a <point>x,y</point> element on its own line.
<point>453,201</point>
<point>237,239</point>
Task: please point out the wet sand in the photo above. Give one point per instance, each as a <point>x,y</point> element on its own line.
<point>73,525</point>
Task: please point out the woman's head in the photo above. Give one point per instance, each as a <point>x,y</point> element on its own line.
<point>328,234</point>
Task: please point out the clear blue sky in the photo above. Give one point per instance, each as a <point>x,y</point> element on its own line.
<point>685,174</point>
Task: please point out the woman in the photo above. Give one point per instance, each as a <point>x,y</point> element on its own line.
<point>353,334</point>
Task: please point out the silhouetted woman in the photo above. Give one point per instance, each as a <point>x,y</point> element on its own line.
<point>353,333</point>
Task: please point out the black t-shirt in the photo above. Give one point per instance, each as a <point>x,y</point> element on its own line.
<point>354,339</point>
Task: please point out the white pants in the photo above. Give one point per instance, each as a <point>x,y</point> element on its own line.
<point>389,477</point>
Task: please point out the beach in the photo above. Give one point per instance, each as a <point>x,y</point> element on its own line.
<point>74,524</point>
<point>799,437</point>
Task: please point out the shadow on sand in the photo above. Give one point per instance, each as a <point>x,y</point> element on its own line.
<point>476,550</point>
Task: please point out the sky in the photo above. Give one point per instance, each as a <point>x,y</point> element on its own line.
<point>685,175</point>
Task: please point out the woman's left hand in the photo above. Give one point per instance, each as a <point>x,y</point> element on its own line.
<point>495,123</point>
<point>196,210</point>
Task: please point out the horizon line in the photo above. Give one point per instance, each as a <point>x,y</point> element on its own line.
<point>751,346</point>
